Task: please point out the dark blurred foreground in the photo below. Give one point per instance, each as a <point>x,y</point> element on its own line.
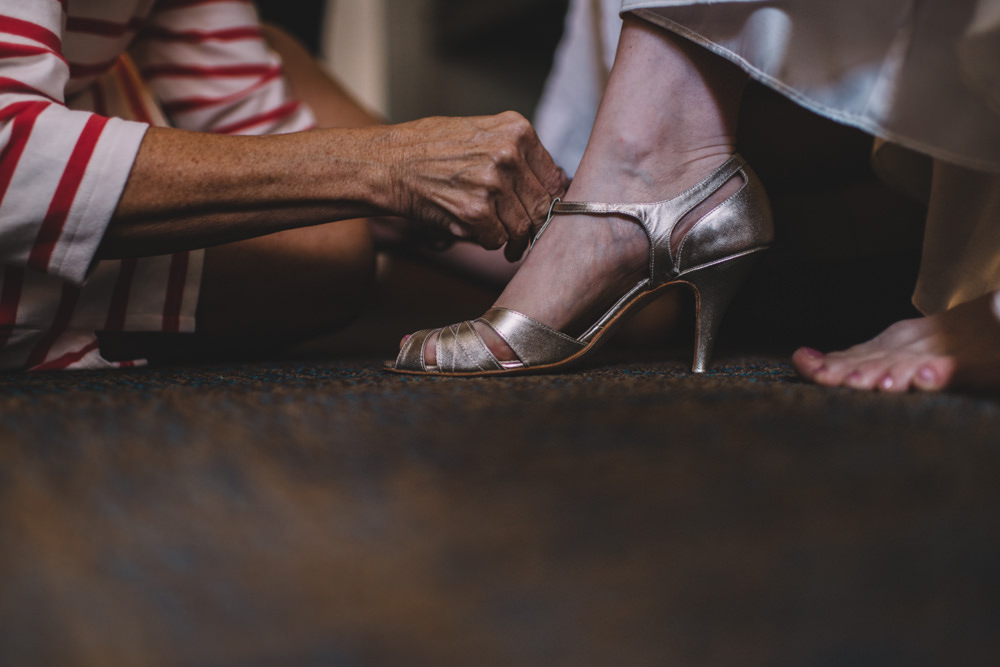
<point>328,514</point>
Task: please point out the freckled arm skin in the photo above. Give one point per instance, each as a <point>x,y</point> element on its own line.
<point>487,178</point>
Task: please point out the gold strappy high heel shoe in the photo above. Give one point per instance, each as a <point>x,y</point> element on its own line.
<point>713,258</point>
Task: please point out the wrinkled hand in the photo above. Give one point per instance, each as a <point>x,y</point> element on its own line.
<point>484,178</point>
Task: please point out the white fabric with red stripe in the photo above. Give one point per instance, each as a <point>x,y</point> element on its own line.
<point>73,111</point>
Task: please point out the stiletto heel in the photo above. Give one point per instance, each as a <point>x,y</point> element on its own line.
<point>714,287</point>
<point>712,257</point>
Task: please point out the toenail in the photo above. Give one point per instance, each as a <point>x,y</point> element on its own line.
<point>886,382</point>
<point>854,376</point>
<point>927,378</point>
<point>811,353</point>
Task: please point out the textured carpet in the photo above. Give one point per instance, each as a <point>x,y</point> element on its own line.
<point>632,514</point>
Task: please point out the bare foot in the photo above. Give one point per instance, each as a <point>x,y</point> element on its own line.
<point>956,349</point>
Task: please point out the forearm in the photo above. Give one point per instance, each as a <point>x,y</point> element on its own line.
<point>189,190</point>
<point>485,178</point>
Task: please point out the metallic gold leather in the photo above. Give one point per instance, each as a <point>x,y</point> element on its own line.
<point>710,257</point>
<point>411,354</point>
<point>740,223</point>
<point>714,286</point>
<point>534,343</point>
<point>460,348</point>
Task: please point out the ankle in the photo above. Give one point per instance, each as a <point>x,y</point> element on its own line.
<point>644,172</point>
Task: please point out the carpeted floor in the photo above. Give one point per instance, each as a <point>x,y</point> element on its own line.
<point>295,513</point>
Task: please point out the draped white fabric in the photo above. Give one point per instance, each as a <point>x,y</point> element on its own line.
<point>918,74</point>
<point>574,87</point>
<point>904,70</point>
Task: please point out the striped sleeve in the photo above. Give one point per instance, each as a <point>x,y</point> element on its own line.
<point>209,66</point>
<point>61,171</point>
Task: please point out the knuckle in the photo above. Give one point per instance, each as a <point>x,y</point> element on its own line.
<point>556,183</point>
<point>510,116</point>
<point>491,179</point>
<point>516,124</point>
<point>477,211</point>
<point>505,154</point>
<point>519,121</point>
<point>484,212</point>
<point>523,128</point>
<point>521,228</point>
<point>541,209</point>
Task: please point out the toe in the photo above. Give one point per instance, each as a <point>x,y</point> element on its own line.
<point>900,376</point>
<point>430,350</point>
<point>866,374</point>
<point>410,358</point>
<point>836,369</point>
<point>855,380</point>
<point>828,377</point>
<point>807,361</point>
<point>497,345</point>
<point>934,374</point>
<point>889,384</point>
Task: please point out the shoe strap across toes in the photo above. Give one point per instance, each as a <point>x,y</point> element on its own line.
<point>460,349</point>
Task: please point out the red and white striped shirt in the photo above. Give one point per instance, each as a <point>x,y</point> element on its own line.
<point>80,82</point>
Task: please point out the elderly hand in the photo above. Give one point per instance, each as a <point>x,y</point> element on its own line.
<point>484,178</point>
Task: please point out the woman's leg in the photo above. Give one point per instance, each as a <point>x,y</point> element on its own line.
<point>668,118</point>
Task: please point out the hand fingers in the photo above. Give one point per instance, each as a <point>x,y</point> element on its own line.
<point>522,204</point>
<point>517,241</point>
<point>513,224</point>
<point>503,221</point>
<point>537,179</point>
<point>514,203</point>
<point>535,203</point>
<point>551,177</point>
<point>509,184</point>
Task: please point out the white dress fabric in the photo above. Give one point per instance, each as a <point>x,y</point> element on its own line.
<point>921,75</point>
<point>893,68</point>
<point>568,105</point>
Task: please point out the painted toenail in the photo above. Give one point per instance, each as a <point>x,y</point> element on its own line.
<point>927,375</point>
<point>854,376</point>
<point>886,382</point>
<point>811,353</point>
